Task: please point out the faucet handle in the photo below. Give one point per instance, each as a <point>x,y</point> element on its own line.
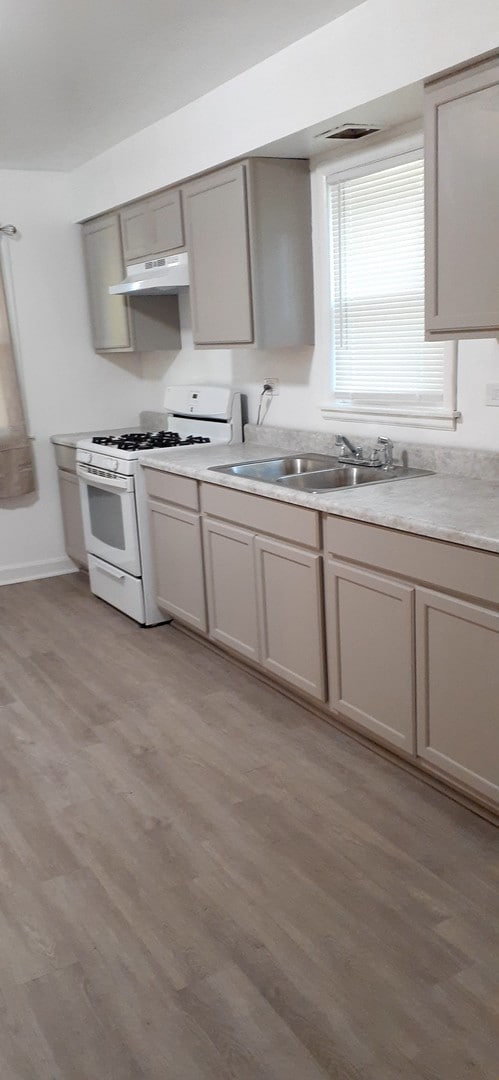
<point>355,451</point>
<point>387,443</point>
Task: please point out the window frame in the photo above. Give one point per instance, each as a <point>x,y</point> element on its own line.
<point>381,153</point>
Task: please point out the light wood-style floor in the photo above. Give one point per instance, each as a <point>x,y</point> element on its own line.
<point>199,880</point>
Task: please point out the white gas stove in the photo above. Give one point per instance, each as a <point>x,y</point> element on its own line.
<point>113,496</point>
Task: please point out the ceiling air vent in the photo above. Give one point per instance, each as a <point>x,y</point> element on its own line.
<point>348,132</point>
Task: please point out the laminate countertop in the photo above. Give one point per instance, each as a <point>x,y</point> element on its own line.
<point>73,438</point>
<point>461,510</point>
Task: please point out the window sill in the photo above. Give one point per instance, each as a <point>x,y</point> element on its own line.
<point>401,417</point>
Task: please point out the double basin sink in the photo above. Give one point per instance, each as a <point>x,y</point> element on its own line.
<point>313,473</point>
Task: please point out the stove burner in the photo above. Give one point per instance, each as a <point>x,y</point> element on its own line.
<point>148,440</point>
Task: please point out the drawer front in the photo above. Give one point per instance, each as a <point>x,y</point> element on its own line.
<point>181,490</point>
<point>117,587</point>
<point>295,523</point>
<point>434,562</point>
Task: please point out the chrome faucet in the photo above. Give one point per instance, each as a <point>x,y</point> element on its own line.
<point>355,451</point>
<point>387,445</point>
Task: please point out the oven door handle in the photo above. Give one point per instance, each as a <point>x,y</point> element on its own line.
<point>119,575</point>
<point>107,483</point>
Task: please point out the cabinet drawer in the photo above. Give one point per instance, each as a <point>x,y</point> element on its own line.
<point>459,569</point>
<point>117,588</point>
<point>182,490</point>
<point>295,523</point>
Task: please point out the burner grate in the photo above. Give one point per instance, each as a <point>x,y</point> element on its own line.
<point>148,440</point>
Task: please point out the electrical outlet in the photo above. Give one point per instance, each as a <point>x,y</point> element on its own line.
<point>491,394</point>
<point>274,383</point>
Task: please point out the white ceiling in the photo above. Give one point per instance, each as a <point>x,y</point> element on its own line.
<point>78,76</point>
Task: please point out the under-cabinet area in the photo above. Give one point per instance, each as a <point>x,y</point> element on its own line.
<point>396,635</point>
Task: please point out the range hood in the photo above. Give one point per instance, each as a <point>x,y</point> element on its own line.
<point>156,276</point>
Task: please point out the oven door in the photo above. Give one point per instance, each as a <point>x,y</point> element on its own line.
<point>110,519</point>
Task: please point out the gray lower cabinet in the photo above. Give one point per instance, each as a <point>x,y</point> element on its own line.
<point>370,652</point>
<point>290,611</point>
<point>462,205</point>
<point>231,587</point>
<point>265,602</point>
<point>72,520</point>
<point>178,560</point>
<point>249,240</point>
<point>458,689</point>
<point>119,324</point>
<point>152,226</point>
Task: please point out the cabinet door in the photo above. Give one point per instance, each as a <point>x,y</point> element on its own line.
<point>462,204</point>
<point>104,267</point>
<point>231,587</point>
<point>136,231</point>
<point>458,689</point>
<point>72,519</point>
<point>178,561</point>
<point>166,222</point>
<point>216,222</point>
<point>152,226</point>
<point>289,584</point>
<point>371,652</point>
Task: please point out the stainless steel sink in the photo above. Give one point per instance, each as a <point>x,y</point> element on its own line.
<point>273,469</point>
<point>314,472</point>
<point>347,476</point>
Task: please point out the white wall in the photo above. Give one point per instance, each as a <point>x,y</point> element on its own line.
<point>302,378</point>
<point>375,49</point>
<point>67,386</point>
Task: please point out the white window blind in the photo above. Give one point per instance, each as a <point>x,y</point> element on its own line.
<point>379,353</point>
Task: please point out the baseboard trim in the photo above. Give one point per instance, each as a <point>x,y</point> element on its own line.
<point>13,575</point>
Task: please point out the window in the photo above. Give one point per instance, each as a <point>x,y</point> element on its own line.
<point>380,364</point>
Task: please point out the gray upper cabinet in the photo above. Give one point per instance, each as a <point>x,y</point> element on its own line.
<point>249,239</point>
<point>104,267</point>
<point>462,204</point>
<point>152,226</point>
<point>142,324</point>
